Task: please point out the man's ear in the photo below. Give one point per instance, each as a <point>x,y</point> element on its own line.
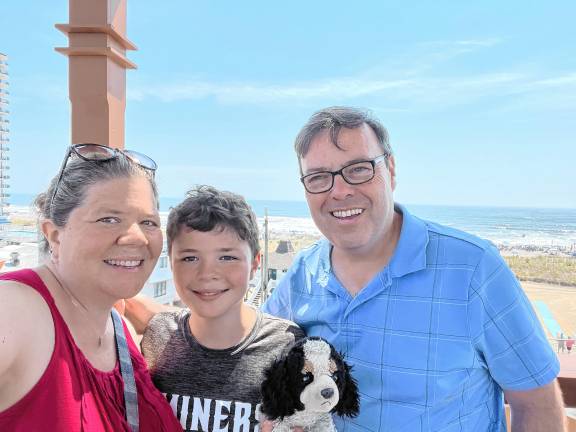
<point>52,233</point>
<point>255,264</point>
<point>392,169</point>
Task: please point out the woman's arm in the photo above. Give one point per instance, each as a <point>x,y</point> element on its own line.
<point>26,341</point>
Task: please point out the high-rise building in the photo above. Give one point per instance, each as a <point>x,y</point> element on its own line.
<point>4,140</point>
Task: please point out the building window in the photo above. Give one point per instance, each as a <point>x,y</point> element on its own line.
<point>163,262</point>
<point>160,289</point>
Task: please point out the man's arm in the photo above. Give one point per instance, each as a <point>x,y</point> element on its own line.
<point>140,309</point>
<point>541,409</point>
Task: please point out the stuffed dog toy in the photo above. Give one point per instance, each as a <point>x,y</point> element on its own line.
<point>306,385</point>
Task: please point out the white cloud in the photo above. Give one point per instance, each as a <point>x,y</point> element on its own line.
<point>345,88</point>
<point>201,170</point>
<point>400,94</point>
<point>404,72</point>
<point>490,42</point>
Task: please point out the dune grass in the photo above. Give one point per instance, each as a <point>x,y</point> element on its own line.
<point>544,268</point>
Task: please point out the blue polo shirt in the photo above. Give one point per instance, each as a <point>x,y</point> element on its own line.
<point>433,338</point>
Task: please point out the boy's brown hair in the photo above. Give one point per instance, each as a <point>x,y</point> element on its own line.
<point>206,208</point>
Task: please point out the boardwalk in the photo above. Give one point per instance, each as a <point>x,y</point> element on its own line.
<point>568,364</point>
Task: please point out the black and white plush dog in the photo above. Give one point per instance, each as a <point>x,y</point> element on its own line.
<point>307,385</point>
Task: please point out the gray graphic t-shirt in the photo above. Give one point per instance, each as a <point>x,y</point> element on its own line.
<point>213,390</point>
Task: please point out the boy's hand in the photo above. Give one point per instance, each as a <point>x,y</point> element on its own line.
<point>268,425</point>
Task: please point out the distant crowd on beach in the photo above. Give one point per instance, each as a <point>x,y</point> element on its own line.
<point>539,249</point>
<point>564,343</point>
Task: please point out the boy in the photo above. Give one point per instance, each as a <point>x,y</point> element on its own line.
<point>209,359</point>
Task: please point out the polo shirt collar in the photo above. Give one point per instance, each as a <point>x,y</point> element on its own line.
<point>409,256</point>
<point>410,253</point>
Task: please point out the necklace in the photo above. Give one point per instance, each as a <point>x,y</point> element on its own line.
<point>77,304</point>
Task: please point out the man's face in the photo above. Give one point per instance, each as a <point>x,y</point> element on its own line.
<point>354,218</point>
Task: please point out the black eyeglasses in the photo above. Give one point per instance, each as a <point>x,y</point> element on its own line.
<point>355,173</point>
<point>102,153</point>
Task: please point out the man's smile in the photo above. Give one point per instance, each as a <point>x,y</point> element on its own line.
<point>341,214</point>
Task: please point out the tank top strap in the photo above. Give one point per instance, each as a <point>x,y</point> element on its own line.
<point>32,279</point>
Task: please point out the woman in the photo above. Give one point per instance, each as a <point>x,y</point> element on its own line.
<point>59,368</point>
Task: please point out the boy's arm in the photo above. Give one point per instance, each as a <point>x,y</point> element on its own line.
<point>140,309</point>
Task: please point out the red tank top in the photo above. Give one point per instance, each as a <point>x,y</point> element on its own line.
<point>72,395</point>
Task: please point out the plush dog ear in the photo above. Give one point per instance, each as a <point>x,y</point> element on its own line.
<point>280,398</point>
<point>349,403</point>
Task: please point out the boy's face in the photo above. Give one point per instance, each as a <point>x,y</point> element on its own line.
<point>211,271</point>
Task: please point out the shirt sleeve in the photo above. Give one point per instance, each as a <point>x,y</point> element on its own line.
<point>156,334</point>
<point>505,330</point>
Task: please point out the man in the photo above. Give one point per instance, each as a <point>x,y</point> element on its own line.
<point>435,324</point>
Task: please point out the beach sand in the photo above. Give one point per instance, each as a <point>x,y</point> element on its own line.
<point>561,301</point>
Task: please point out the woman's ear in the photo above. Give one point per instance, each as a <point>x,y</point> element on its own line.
<point>52,234</point>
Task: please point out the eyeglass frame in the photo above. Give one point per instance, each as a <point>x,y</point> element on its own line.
<point>116,152</point>
<point>372,162</point>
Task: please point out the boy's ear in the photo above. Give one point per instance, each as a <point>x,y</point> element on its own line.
<point>255,264</point>
<point>52,234</point>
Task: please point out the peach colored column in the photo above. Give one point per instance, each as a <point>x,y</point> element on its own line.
<point>97,70</point>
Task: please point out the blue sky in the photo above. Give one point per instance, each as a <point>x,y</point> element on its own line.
<point>479,98</point>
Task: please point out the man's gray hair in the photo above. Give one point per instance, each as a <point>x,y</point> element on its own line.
<point>78,176</point>
<point>335,118</point>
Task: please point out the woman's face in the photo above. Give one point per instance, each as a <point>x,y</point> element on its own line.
<point>112,241</point>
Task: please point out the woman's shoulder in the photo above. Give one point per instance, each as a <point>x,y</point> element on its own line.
<point>23,301</point>
<point>22,307</point>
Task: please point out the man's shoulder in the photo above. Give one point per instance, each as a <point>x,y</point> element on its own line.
<point>312,255</point>
<point>456,240</point>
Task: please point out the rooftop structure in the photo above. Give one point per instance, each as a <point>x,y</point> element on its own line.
<point>4,159</point>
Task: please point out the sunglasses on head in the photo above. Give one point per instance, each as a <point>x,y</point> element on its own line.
<point>102,153</point>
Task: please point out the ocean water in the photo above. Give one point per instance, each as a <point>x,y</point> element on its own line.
<point>504,226</point>
<point>512,227</point>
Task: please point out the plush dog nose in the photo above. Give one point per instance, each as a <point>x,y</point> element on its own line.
<point>327,393</point>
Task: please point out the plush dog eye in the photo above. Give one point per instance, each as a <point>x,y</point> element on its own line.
<point>307,378</point>
<point>336,376</point>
